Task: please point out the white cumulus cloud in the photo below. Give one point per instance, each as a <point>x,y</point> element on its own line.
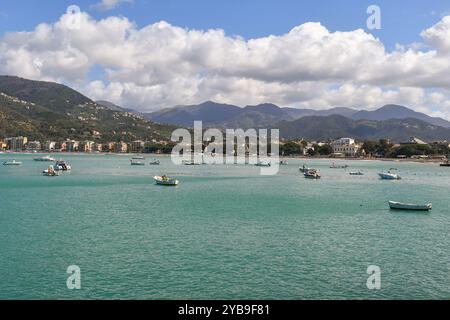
<point>161,65</point>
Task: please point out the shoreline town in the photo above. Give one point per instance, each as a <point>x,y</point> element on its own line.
<point>344,148</point>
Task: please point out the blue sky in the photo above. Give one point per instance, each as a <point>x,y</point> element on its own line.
<point>402,20</point>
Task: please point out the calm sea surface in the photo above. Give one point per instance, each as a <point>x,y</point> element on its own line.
<point>224,233</point>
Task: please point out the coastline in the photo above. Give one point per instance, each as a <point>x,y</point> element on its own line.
<point>402,160</point>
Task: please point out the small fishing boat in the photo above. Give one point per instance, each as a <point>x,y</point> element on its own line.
<point>334,166</point>
<point>190,163</point>
<point>155,162</point>
<point>284,162</point>
<point>12,163</point>
<point>410,206</point>
<point>389,176</point>
<point>61,165</point>
<point>263,164</point>
<point>50,172</point>
<point>356,173</point>
<point>311,174</point>
<point>165,181</point>
<point>445,163</point>
<point>136,162</point>
<point>305,169</point>
<point>45,159</point>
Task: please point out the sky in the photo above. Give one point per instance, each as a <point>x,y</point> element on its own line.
<point>153,54</point>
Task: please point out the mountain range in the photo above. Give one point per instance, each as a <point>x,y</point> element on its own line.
<point>46,110</point>
<point>395,122</point>
<point>335,126</point>
<point>264,115</point>
<point>231,116</point>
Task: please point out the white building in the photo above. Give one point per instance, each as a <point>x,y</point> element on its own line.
<point>49,145</point>
<point>71,145</point>
<point>345,146</point>
<point>414,140</point>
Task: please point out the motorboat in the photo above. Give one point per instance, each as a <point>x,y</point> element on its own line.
<point>155,162</point>
<point>137,162</point>
<point>334,166</point>
<point>12,163</point>
<point>356,173</point>
<point>263,164</point>
<point>410,206</point>
<point>389,176</point>
<point>165,181</point>
<point>61,165</point>
<point>284,162</point>
<point>311,174</point>
<point>190,163</point>
<point>305,169</point>
<point>50,172</point>
<point>445,163</point>
<point>45,159</point>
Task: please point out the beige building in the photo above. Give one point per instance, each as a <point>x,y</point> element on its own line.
<point>120,147</point>
<point>3,145</point>
<point>97,147</point>
<point>85,146</point>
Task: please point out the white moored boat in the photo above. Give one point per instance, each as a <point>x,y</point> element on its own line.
<point>410,206</point>
<point>190,163</point>
<point>166,181</point>
<point>61,165</point>
<point>334,166</point>
<point>137,162</point>
<point>154,162</point>
<point>389,176</point>
<point>305,169</point>
<point>311,174</point>
<point>263,164</point>
<point>45,159</point>
<point>12,163</point>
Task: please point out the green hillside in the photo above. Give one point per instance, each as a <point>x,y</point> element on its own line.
<point>45,110</point>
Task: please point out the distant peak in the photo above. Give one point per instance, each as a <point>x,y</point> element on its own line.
<point>209,102</point>
<point>393,106</point>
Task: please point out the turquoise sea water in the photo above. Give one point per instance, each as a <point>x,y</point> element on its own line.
<point>224,233</point>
